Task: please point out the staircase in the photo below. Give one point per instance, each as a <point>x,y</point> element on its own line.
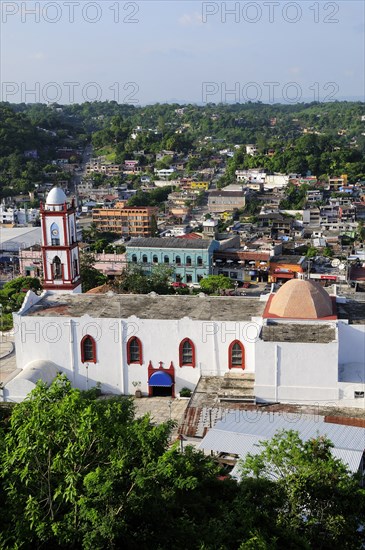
<point>213,396</point>
<point>237,387</point>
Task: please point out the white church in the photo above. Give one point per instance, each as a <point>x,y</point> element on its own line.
<point>300,345</point>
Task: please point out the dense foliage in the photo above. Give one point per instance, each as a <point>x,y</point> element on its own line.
<point>136,280</point>
<point>12,296</point>
<point>320,138</point>
<point>82,472</point>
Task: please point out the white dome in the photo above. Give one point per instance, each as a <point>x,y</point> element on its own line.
<point>56,197</point>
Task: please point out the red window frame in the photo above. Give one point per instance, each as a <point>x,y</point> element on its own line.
<point>93,343</point>
<point>131,339</point>
<point>230,361</point>
<point>181,349</point>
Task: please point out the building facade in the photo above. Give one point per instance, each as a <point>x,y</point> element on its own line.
<point>192,260</point>
<point>300,345</point>
<point>126,221</point>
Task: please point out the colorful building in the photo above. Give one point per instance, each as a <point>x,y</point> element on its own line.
<point>191,259</point>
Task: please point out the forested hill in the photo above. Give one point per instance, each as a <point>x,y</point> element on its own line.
<point>323,138</point>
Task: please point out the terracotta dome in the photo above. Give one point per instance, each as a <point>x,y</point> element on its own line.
<point>298,299</point>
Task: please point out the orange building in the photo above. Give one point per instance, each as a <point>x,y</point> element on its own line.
<point>283,268</point>
<point>126,220</point>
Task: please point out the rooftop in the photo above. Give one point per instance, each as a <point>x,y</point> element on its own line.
<point>299,333</point>
<point>295,260</point>
<point>122,306</point>
<point>169,242</point>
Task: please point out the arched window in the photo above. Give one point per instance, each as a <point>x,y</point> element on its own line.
<point>57,268</point>
<point>178,260</point>
<point>199,260</point>
<point>88,349</point>
<point>144,259</point>
<point>188,260</point>
<point>72,231</point>
<point>236,355</point>
<point>55,235</point>
<point>155,259</point>
<point>134,351</point>
<point>187,353</point>
<point>166,259</point>
<point>76,268</point>
<point>134,258</point>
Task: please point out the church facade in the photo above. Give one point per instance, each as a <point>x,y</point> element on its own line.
<point>300,345</point>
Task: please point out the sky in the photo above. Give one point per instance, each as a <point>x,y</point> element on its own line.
<point>143,52</point>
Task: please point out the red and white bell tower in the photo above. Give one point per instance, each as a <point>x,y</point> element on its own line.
<point>60,250</point>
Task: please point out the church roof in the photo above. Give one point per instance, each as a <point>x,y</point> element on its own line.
<point>56,196</point>
<point>158,307</point>
<point>169,242</point>
<point>299,299</point>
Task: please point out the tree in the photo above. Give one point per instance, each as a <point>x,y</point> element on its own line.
<point>67,452</point>
<point>90,277</point>
<point>215,283</point>
<point>321,501</point>
<point>12,296</point>
<point>136,280</point>
<point>311,252</point>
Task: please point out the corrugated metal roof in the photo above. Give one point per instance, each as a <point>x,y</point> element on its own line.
<point>265,425</point>
<point>351,458</point>
<point>230,442</point>
<point>240,433</point>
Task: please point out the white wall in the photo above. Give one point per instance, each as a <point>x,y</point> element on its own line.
<point>58,339</point>
<point>352,343</point>
<point>293,372</point>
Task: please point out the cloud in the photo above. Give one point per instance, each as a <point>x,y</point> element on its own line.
<point>190,20</point>
<point>37,56</point>
<point>294,70</point>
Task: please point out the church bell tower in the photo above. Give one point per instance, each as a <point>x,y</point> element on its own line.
<point>60,250</point>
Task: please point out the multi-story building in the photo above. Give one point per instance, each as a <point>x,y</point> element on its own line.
<point>254,176</point>
<point>336,182</point>
<point>222,201</point>
<point>99,166</point>
<point>126,220</point>
<point>314,195</point>
<point>18,216</point>
<point>192,259</point>
<point>311,217</point>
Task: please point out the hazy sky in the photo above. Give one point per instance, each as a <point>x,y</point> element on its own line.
<point>157,51</point>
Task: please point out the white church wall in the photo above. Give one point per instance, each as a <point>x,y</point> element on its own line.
<point>351,343</point>
<point>296,372</point>
<point>59,338</point>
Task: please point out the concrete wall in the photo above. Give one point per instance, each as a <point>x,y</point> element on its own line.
<point>351,343</point>
<point>293,372</point>
<point>58,339</point>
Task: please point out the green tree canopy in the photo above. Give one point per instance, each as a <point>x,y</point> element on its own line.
<point>321,501</point>
<point>215,283</point>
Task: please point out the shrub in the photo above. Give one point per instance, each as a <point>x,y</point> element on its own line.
<point>185,392</point>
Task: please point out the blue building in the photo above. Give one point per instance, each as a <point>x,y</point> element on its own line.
<point>191,259</point>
